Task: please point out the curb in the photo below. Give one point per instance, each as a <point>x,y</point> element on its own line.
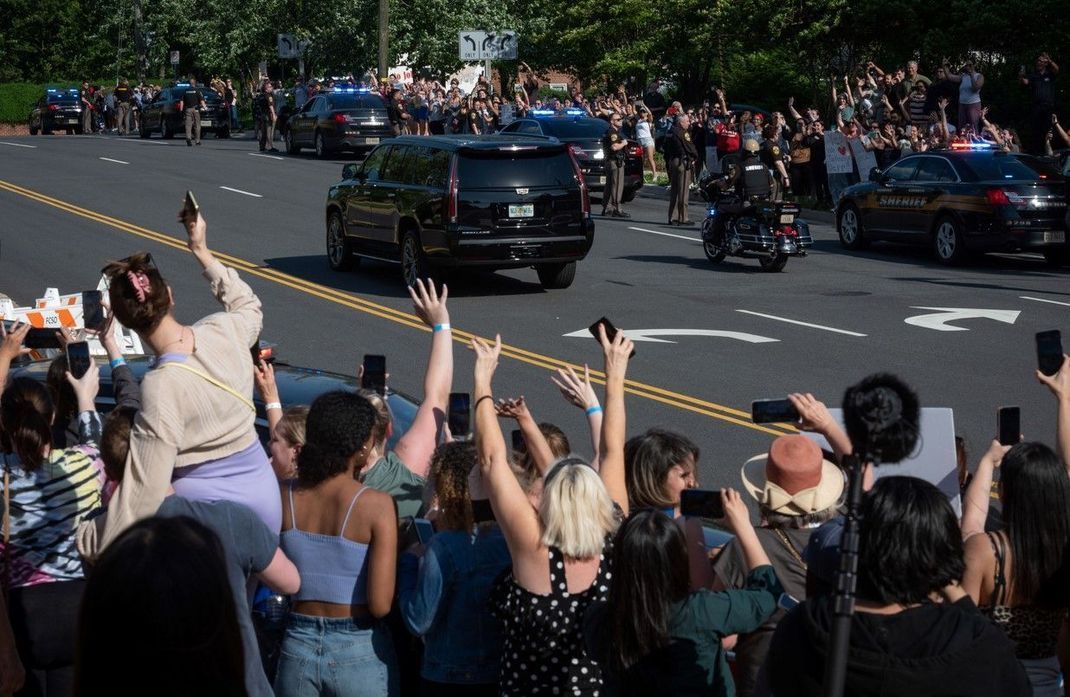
<point>661,193</point>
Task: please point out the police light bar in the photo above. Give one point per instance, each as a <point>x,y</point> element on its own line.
<point>542,112</point>
<point>575,111</point>
<point>972,146</point>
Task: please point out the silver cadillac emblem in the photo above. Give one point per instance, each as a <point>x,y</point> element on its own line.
<point>521,190</point>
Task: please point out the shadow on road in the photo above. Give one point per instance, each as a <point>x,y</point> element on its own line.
<point>920,256</point>
<point>733,265</point>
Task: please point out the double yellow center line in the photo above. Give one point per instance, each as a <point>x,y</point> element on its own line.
<point>657,394</point>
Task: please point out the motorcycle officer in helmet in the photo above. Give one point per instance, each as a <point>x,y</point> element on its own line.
<point>751,179</point>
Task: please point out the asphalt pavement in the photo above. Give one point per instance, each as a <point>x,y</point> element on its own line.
<point>710,338</point>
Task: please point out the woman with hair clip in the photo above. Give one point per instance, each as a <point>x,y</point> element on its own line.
<point>402,471</point>
<point>342,536</point>
<point>655,636</point>
<point>561,552</point>
<point>1019,576</point>
<point>195,429</point>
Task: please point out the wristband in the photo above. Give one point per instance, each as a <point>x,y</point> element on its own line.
<point>440,327</point>
<point>591,411</point>
<point>486,396</point>
<point>116,362</point>
<point>272,405</point>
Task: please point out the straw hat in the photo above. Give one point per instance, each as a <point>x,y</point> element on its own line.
<point>793,478</point>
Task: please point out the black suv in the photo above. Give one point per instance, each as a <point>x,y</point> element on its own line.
<point>57,109</point>
<point>436,202</point>
<point>348,119</point>
<point>162,114</point>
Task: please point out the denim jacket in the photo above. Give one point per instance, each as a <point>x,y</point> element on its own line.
<point>444,599</point>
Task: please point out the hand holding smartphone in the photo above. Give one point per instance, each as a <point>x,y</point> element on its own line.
<point>93,310</point>
<point>1009,425</point>
<point>373,375</point>
<point>702,503</point>
<point>190,209</point>
<point>78,359</point>
<point>611,332</point>
<point>1049,351</point>
<point>765,411</point>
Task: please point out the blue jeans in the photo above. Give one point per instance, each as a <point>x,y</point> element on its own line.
<point>324,656</point>
<point>234,125</point>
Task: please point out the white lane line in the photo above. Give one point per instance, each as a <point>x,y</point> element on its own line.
<point>17,145</point>
<point>801,324</point>
<point>118,162</point>
<point>239,191</point>
<point>666,234</point>
<point>1043,300</point>
<point>260,154</point>
<point>143,141</point>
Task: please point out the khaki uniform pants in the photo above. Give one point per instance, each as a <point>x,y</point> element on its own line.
<point>614,190</point>
<point>193,125</point>
<point>679,189</point>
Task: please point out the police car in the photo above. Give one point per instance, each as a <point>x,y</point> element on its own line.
<point>347,118</point>
<point>583,134</point>
<point>968,198</point>
<point>162,115</point>
<point>57,109</point>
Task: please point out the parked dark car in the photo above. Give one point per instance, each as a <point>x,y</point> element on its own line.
<point>432,203</point>
<point>296,386</point>
<point>340,120</point>
<point>584,134</point>
<point>57,109</point>
<point>162,116</point>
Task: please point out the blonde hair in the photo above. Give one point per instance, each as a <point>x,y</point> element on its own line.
<point>383,417</point>
<point>576,511</point>
<point>291,427</point>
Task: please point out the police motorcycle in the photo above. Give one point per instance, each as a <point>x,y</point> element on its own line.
<point>769,231</point>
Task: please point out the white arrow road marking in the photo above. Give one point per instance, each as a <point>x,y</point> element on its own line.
<point>801,324</point>
<point>649,334</point>
<point>239,191</point>
<point>664,234</point>
<point>17,145</point>
<point>118,162</point>
<point>939,319</point>
<point>1043,300</point>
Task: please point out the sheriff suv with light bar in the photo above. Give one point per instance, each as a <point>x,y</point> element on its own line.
<point>438,202</point>
<point>960,200</point>
<point>58,109</point>
<point>347,118</point>
<point>584,135</point>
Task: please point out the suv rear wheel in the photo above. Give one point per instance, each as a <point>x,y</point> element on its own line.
<point>339,246</point>
<point>556,276</point>
<point>414,264</point>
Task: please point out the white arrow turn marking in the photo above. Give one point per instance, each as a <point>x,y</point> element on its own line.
<point>939,319</point>
<point>650,334</point>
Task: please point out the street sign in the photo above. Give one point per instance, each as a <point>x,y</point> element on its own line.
<point>477,45</point>
<point>174,57</point>
<point>287,46</point>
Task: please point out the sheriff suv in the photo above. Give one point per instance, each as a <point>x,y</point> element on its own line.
<point>440,202</point>
<point>162,116</point>
<point>58,109</point>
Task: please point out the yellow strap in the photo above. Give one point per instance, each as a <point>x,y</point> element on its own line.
<point>245,400</point>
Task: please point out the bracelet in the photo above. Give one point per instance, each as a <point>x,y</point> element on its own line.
<point>591,411</point>
<point>486,396</point>
<point>116,362</point>
<point>272,405</point>
<point>440,327</point>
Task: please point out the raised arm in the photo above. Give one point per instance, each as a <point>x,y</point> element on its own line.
<point>581,393</point>
<point>1059,384</point>
<point>814,416</point>
<point>953,77</point>
<point>11,348</point>
<point>264,379</point>
<point>1058,128</point>
<point>614,426</point>
<point>541,454</point>
<point>791,110</point>
<point>848,91</point>
<point>514,513</point>
<point>417,445</point>
<point>124,385</point>
<point>721,100</point>
<point>978,494</point>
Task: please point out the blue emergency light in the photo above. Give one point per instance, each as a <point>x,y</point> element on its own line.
<point>972,146</point>
<point>575,111</point>
<point>542,112</point>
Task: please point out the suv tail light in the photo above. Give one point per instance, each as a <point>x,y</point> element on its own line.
<point>53,107</point>
<point>635,150</point>
<point>340,119</point>
<point>1002,197</point>
<point>452,193</point>
<point>586,201</point>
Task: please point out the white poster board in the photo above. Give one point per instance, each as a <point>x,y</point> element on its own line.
<point>837,153</point>
<point>866,160</point>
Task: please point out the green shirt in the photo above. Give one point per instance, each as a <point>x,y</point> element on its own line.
<point>391,476</point>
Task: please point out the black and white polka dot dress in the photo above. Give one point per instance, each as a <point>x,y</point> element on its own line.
<point>544,652</point>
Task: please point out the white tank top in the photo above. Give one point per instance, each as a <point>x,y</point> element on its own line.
<point>966,93</point>
<point>642,131</point>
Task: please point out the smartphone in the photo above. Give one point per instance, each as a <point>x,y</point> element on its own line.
<point>1009,425</point>
<point>93,309</point>
<point>460,414</point>
<point>424,530</point>
<point>1049,351</point>
<point>374,375</point>
<point>78,358</point>
<point>701,503</point>
<point>518,441</point>
<point>190,208</point>
<point>611,331</point>
<point>786,602</point>
<point>37,338</point>
<point>766,411</point>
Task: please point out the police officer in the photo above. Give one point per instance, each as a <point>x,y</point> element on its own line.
<point>613,147</point>
<point>773,158</point>
<point>750,178</point>
<point>680,157</point>
<point>266,109</point>
<point>191,105</point>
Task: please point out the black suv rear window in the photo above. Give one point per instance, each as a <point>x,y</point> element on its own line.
<point>356,101</point>
<point>509,169</point>
<point>1011,168</point>
<point>62,99</point>
<point>588,128</point>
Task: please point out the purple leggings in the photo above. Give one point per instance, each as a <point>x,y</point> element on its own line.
<point>245,477</point>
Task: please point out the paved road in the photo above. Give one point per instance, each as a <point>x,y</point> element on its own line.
<point>67,204</point>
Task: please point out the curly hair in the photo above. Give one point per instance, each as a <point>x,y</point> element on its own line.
<point>448,478</point>
<point>141,316</point>
<point>338,426</point>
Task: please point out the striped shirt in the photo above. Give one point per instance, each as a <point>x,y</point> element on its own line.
<point>47,505</point>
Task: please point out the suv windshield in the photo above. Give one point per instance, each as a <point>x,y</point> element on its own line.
<point>491,169</point>
<point>587,128</point>
<point>356,101</point>
<point>1001,167</point>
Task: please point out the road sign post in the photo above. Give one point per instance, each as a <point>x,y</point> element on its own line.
<point>486,46</point>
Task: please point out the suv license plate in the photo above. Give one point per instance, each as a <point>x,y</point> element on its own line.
<point>371,141</point>
<point>602,181</point>
<point>1059,236</point>
<point>787,219</point>
<point>206,122</point>
<point>526,210</point>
